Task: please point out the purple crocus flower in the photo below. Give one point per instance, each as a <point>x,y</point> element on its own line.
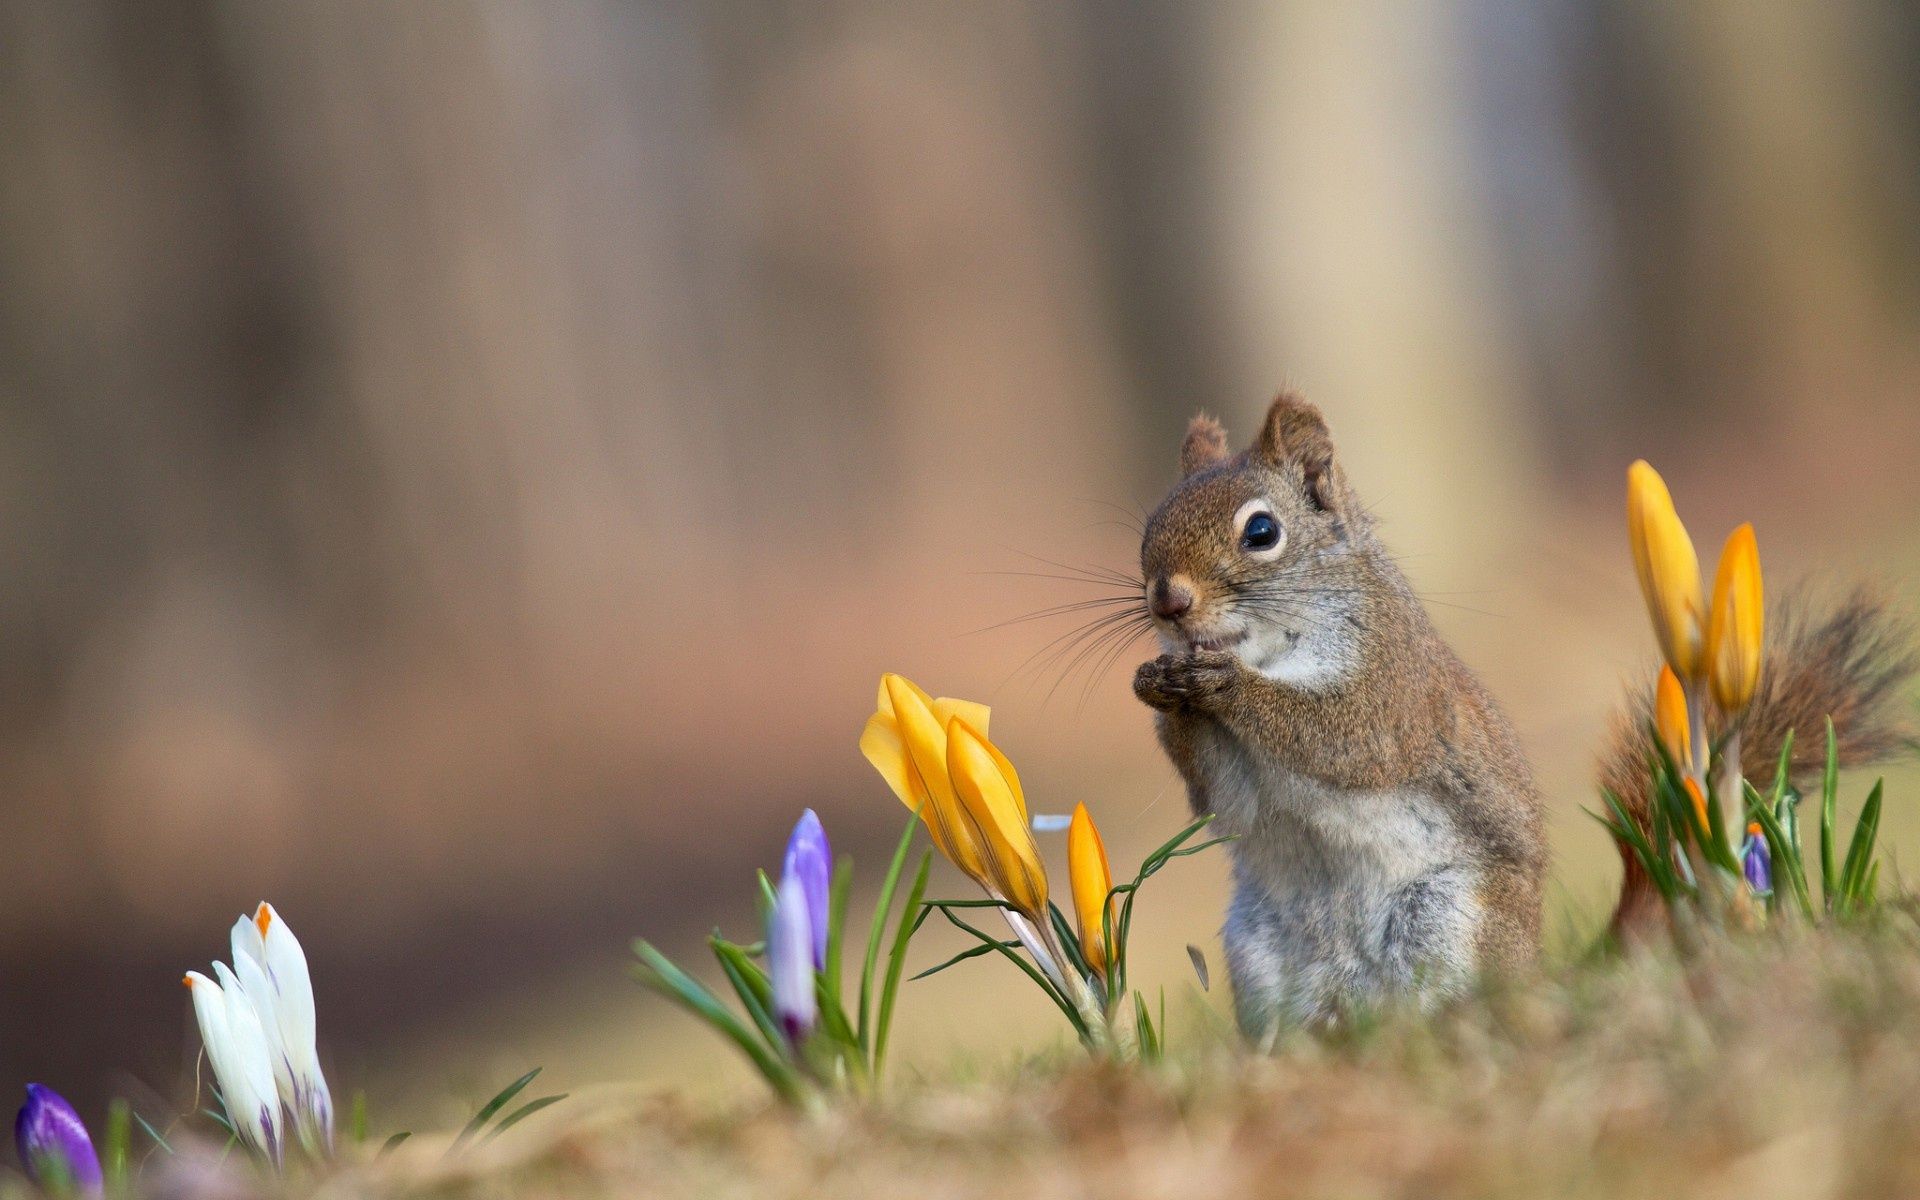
<point>1756,861</point>
<point>789,959</point>
<point>810,861</point>
<point>53,1142</point>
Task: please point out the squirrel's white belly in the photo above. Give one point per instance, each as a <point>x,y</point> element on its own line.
<point>1340,895</point>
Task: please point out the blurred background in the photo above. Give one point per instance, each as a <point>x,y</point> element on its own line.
<point>464,466</point>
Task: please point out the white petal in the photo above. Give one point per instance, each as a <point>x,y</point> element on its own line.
<point>246,1082</point>
<point>245,940</point>
<point>259,993</point>
<point>286,967</point>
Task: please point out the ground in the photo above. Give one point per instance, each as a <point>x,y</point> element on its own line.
<point>1784,1064</point>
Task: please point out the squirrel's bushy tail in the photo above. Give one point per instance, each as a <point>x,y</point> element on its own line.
<point>1850,660</point>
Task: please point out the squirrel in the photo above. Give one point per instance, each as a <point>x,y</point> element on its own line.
<point>1389,841</point>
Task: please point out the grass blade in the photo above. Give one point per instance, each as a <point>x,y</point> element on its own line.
<point>391,1144</point>
<point>520,1114</point>
<point>491,1107</point>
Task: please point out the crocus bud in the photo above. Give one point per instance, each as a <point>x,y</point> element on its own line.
<point>1737,623</point>
<point>1756,861</point>
<point>1669,570</point>
<point>1699,799</point>
<point>810,860</point>
<point>1670,719</point>
<point>54,1147</point>
<point>272,969</point>
<point>242,1062</point>
<point>790,960</point>
<point>906,741</point>
<point>1091,879</point>
<point>995,808</point>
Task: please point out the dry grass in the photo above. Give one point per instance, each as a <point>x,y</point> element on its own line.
<point>1786,1065</point>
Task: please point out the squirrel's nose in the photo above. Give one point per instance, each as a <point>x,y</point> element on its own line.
<point>1170,601</point>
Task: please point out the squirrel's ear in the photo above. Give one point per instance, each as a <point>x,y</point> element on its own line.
<point>1296,435</point>
<point>1205,445</point>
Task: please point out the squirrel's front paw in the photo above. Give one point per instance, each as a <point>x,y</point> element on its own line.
<point>1186,680</point>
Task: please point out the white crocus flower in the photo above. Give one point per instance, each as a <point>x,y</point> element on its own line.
<point>273,971</point>
<point>242,1063</point>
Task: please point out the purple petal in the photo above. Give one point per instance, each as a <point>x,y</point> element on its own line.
<point>53,1142</point>
<point>810,860</point>
<point>790,960</point>
<point>1757,864</point>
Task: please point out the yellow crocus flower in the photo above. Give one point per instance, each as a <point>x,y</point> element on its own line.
<point>1092,881</point>
<point>1670,718</point>
<point>989,792</point>
<point>1736,623</point>
<point>1669,570</point>
<point>906,741</point>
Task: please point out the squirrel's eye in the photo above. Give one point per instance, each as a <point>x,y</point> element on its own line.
<point>1261,532</point>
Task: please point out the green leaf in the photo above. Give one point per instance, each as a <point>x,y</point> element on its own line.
<point>391,1144</point>
<point>1787,863</point>
<point>1121,929</point>
<point>1019,960</point>
<point>1829,806</point>
<point>1069,940</point>
<point>116,1141</point>
<point>151,1132</point>
<point>491,1107</point>
<point>897,961</point>
<point>751,985</point>
<point>1626,831</point>
<point>836,929</point>
<point>964,955</point>
<point>1783,769</point>
<point>658,972</point>
<point>1853,876</point>
<point>877,932</point>
<point>768,896</point>
<point>520,1114</point>
<point>1143,1030</point>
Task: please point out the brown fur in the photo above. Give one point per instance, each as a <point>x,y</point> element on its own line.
<point>1851,660</point>
<point>1409,715</point>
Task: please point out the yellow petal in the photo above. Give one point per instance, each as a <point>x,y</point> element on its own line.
<point>1670,718</point>
<point>1091,879</point>
<point>995,812</point>
<point>888,682</point>
<point>973,713</point>
<point>1737,623</point>
<point>925,741</point>
<point>880,742</point>
<point>1669,570</point>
